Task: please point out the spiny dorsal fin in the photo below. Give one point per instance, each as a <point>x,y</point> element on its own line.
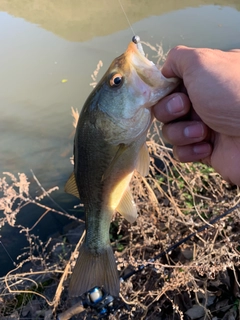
<point>121,149</point>
<point>143,161</point>
<point>71,186</point>
<point>127,207</point>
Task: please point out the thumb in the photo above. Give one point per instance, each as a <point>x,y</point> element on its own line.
<point>177,62</point>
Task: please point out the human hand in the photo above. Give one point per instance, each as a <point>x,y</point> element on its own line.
<point>202,119</point>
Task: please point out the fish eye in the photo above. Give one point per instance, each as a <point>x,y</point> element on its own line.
<point>116,80</point>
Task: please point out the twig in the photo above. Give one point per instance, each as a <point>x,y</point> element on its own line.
<point>76,309</point>
<point>65,274</point>
<point>46,193</point>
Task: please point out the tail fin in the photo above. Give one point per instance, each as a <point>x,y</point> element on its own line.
<point>95,270</point>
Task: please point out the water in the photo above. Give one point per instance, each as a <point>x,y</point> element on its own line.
<point>43,43</point>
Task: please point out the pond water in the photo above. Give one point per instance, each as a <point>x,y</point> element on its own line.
<point>48,51</point>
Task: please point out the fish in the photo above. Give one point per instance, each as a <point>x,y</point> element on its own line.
<point>109,144</point>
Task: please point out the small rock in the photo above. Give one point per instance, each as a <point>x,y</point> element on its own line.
<point>188,254</point>
<point>231,314</point>
<point>13,316</point>
<point>195,312</point>
<point>31,307</point>
<point>74,235</point>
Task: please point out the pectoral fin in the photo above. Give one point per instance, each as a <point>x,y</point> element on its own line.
<point>143,161</point>
<point>127,207</point>
<point>122,148</point>
<point>71,186</point>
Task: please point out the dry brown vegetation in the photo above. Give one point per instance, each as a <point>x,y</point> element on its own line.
<point>198,280</point>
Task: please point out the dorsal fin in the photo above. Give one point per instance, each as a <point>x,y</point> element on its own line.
<point>71,186</point>
<point>143,161</point>
<point>127,207</point>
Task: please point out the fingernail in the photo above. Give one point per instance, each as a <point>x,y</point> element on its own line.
<point>202,148</point>
<point>175,156</point>
<point>194,131</point>
<point>175,105</point>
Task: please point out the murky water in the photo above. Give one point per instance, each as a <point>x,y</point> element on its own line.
<point>45,42</point>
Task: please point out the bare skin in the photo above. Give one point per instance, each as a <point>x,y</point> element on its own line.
<point>202,119</point>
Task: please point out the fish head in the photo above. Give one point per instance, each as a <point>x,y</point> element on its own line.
<point>128,90</point>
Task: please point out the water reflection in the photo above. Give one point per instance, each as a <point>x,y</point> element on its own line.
<point>43,42</point>
<point>84,20</point>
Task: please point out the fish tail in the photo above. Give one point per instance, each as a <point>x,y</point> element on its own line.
<point>95,269</point>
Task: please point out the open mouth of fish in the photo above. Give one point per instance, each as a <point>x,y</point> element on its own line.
<point>152,78</point>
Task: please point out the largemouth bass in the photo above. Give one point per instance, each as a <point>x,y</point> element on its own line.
<point>110,143</point>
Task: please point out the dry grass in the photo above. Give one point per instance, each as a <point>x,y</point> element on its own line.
<point>203,273</point>
<point>198,280</point>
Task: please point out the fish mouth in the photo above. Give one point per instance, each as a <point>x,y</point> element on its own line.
<point>136,55</point>
<point>148,72</point>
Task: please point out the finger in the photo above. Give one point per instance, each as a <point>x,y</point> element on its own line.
<point>185,132</point>
<point>177,62</point>
<point>172,107</point>
<point>235,50</point>
<point>194,152</point>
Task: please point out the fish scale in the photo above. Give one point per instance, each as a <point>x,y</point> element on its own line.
<point>110,143</point>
